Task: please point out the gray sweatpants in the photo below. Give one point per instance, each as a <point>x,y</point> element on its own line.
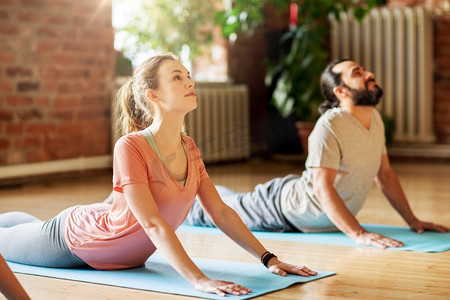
<point>260,210</point>
<point>26,239</point>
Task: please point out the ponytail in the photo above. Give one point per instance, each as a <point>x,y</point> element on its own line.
<point>327,104</point>
<point>328,81</point>
<point>131,116</point>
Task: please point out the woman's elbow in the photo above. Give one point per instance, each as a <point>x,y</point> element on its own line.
<point>154,226</point>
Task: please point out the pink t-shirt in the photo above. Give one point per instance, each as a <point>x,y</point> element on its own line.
<point>109,237</point>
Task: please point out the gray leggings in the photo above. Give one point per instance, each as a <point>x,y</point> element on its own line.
<point>26,239</point>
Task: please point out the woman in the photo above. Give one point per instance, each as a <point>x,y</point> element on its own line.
<point>157,173</point>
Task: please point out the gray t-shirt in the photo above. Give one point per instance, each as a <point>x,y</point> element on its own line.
<point>339,141</point>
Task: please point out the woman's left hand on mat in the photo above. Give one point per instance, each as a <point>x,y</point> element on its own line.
<point>282,269</point>
<point>221,287</point>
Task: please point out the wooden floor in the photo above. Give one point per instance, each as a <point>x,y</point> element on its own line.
<point>362,273</point>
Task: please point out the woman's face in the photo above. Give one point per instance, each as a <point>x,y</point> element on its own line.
<point>176,89</point>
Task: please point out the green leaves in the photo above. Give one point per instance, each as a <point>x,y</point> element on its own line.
<point>296,75</point>
<point>243,16</point>
<point>164,26</point>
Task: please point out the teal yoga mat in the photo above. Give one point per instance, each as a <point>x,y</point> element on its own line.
<point>159,276</point>
<point>426,242</point>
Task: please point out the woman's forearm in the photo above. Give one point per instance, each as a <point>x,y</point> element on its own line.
<point>9,285</point>
<point>232,225</point>
<point>168,244</point>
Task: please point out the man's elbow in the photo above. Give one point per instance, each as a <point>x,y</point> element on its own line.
<point>319,192</point>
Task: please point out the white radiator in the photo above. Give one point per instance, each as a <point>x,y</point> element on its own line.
<point>397,46</point>
<point>220,125</point>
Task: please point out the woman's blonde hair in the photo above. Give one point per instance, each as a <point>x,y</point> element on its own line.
<point>134,109</point>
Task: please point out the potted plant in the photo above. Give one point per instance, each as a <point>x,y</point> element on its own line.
<point>295,77</point>
<point>303,51</point>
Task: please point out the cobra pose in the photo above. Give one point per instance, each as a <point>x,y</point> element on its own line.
<point>346,153</point>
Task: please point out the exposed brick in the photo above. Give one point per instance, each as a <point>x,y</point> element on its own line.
<point>94,100</point>
<point>15,29</point>
<point>51,31</point>
<point>4,15</point>
<point>26,16</point>
<point>58,72</point>
<point>28,115</point>
<point>34,3</point>
<point>14,157</point>
<point>47,45</point>
<point>4,143</point>
<point>27,143</point>
<point>38,156</point>
<point>14,129</point>
<point>18,71</point>
<point>6,2</point>
<point>56,61</point>
<point>78,46</point>
<point>39,128</point>
<point>6,115</point>
<point>65,115</point>
<point>42,101</point>
<point>69,128</point>
<point>55,19</point>
<point>27,86</point>
<point>19,101</point>
<point>6,86</point>
<point>65,102</point>
<point>63,59</point>
<point>89,20</point>
<point>6,57</point>
<point>92,114</point>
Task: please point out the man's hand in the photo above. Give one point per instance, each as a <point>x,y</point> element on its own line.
<point>377,240</point>
<point>420,227</point>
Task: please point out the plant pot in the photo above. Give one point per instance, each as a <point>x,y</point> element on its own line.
<point>303,130</point>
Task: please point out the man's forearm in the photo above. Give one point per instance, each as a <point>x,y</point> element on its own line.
<point>338,213</point>
<point>390,186</point>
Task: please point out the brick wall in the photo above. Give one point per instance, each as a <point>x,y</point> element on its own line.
<point>442,78</point>
<point>56,65</point>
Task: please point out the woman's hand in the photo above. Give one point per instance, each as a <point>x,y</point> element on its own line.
<point>420,227</point>
<point>221,287</point>
<point>282,269</point>
<point>377,240</point>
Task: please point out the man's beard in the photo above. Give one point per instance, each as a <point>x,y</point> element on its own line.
<point>364,97</point>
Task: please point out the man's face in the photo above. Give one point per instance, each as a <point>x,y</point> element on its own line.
<point>360,83</point>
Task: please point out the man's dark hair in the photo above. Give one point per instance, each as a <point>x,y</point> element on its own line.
<point>328,81</point>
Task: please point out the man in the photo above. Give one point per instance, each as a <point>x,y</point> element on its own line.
<point>346,153</point>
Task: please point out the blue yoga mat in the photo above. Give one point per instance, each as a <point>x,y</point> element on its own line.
<point>428,241</point>
<point>159,276</point>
